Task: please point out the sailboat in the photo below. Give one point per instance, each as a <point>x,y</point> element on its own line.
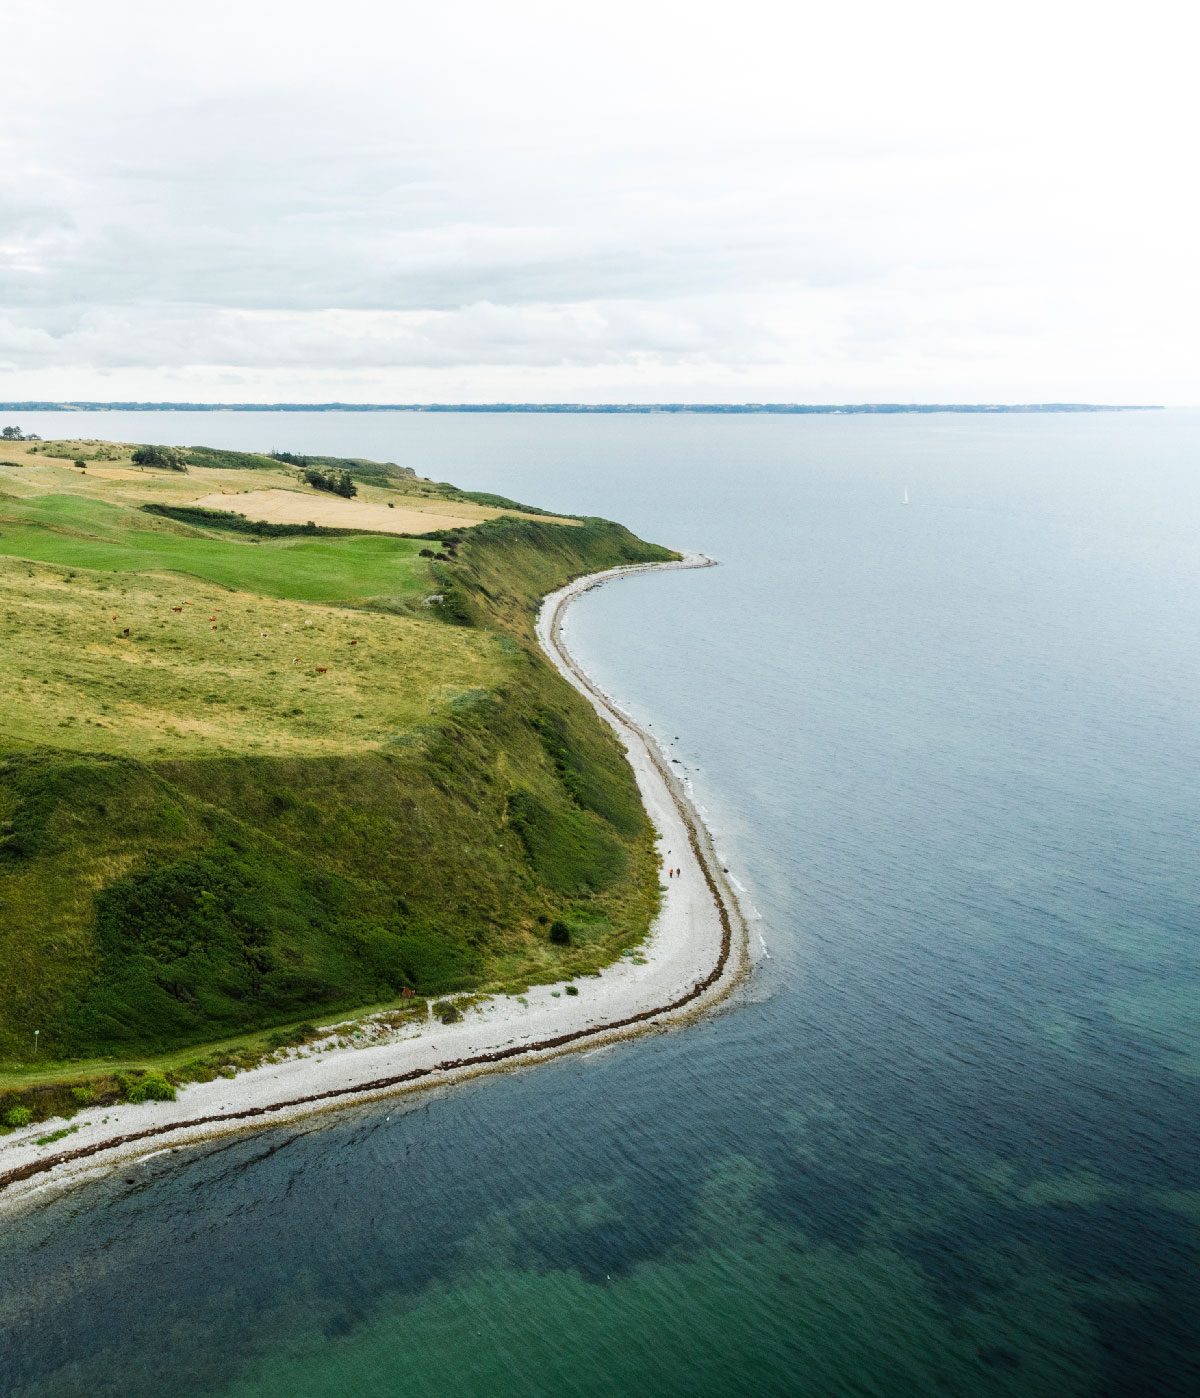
<point>905,500</point>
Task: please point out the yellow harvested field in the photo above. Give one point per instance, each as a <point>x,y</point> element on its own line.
<point>299,507</point>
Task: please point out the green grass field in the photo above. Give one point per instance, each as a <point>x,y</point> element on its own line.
<point>74,533</point>
<point>248,784</point>
<point>310,570</point>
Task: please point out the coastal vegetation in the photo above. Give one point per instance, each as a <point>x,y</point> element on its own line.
<point>334,479</point>
<point>163,458</point>
<point>253,778</point>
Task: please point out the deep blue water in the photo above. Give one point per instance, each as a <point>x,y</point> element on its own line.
<point>949,1142</point>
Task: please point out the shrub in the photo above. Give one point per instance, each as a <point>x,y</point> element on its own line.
<point>329,478</point>
<point>18,1116</point>
<point>82,465</point>
<point>560,934</point>
<point>84,1094</point>
<point>447,1011</point>
<point>163,458</point>
<point>572,990</point>
<point>153,1086</point>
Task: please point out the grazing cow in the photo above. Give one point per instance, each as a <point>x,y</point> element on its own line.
<point>177,609</point>
<point>125,632</point>
<point>354,643</point>
<point>322,669</point>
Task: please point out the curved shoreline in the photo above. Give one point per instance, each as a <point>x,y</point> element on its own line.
<point>700,913</point>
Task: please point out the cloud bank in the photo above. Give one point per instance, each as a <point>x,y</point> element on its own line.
<point>656,201</point>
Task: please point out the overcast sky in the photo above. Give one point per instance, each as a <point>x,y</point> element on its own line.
<point>469,200</point>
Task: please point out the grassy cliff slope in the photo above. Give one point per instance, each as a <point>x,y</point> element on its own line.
<point>248,782</point>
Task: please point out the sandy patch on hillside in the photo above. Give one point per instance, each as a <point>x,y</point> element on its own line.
<point>295,507</point>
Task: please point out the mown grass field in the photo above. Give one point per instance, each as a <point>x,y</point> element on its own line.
<point>246,784</point>
<point>310,570</point>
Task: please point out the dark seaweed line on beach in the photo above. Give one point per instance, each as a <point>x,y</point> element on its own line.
<point>39,1167</point>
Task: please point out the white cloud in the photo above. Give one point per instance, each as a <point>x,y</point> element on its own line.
<point>643,201</point>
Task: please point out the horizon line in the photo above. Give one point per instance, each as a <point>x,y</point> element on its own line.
<point>119,405</point>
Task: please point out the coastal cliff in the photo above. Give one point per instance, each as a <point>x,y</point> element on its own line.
<point>252,779</point>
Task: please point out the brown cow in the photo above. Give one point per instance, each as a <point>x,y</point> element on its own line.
<point>322,669</point>
<point>177,609</point>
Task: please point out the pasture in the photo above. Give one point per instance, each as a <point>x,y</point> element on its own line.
<point>248,781</point>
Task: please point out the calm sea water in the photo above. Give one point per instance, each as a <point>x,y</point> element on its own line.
<point>950,1140</point>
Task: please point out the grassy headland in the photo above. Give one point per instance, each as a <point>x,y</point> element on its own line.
<point>251,779</point>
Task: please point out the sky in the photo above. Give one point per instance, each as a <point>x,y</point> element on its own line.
<point>634,202</point>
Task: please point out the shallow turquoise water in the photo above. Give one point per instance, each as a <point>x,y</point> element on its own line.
<point>947,1144</point>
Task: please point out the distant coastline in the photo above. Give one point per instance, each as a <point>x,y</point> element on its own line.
<point>81,405</point>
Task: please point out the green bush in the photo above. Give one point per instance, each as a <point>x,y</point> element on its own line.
<point>151,1086</point>
<point>18,1116</point>
<point>333,479</point>
<point>162,458</point>
<point>447,1011</point>
<point>560,934</point>
<point>84,1095</point>
<point>572,990</point>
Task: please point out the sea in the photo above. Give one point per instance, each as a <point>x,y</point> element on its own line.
<point>947,1138</point>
